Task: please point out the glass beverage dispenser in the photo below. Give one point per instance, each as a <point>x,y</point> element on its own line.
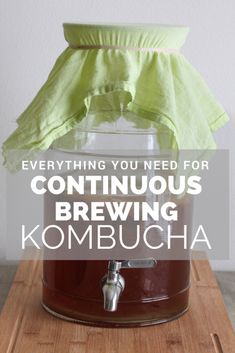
<point>118,88</point>
<point>115,293</point>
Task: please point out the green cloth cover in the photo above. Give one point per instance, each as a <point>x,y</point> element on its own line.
<point>160,86</point>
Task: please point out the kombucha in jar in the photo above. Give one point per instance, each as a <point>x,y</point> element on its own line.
<point>72,289</point>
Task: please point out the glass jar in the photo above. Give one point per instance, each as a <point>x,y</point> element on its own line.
<point>86,108</point>
<point>72,289</point>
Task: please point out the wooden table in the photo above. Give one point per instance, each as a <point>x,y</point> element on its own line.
<point>26,328</point>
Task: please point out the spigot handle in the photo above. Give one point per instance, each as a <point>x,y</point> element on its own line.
<point>139,263</point>
<point>115,266</point>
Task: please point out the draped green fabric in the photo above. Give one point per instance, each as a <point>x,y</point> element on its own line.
<point>159,85</point>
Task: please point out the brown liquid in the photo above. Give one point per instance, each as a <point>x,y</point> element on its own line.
<point>72,288</point>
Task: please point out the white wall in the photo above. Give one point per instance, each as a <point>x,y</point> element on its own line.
<point>31,38</point>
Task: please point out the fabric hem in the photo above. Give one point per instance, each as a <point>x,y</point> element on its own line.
<point>219,122</point>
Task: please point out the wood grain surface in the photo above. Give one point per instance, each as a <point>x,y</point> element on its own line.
<point>26,328</point>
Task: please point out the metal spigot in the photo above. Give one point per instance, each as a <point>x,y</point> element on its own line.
<point>113,283</point>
